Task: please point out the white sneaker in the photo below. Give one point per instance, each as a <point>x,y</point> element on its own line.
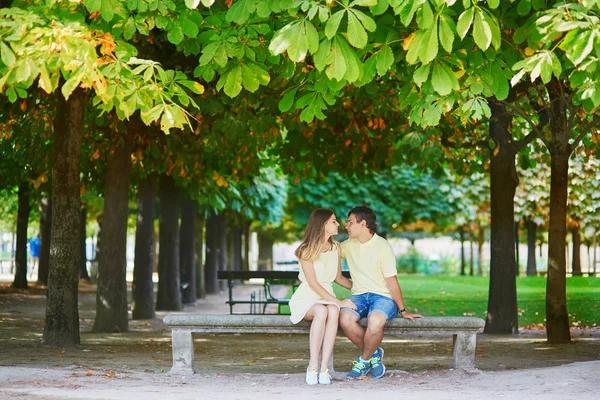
<point>325,378</point>
<point>312,376</point>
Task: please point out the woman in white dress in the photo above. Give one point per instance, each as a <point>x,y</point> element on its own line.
<point>314,300</point>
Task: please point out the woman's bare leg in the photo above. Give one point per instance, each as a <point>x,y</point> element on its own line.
<point>318,315</point>
<point>331,329</point>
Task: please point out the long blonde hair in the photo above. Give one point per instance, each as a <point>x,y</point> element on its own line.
<point>310,248</point>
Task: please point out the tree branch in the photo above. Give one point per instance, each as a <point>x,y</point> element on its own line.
<point>535,127</point>
<point>584,132</point>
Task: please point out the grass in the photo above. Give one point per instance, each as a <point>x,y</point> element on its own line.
<point>458,296</point>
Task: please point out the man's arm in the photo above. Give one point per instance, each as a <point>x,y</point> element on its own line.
<point>396,293</point>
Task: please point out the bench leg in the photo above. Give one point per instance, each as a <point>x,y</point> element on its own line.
<point>183,352</point>
<point>464,350</point>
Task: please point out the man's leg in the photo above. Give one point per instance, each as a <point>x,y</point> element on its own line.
<point>351,328</point>
<point>374,334</point>
<point>381,310</point>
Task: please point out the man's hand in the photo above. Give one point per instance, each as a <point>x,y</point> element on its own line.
<point>412,317</point>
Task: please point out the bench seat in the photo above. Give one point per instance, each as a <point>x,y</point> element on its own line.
<point>463,329</point>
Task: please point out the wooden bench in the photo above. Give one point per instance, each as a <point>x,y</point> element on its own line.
<point>464,330</point>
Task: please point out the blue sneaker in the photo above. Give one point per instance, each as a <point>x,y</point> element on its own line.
<point>377,363</point>
<point>359,370</point>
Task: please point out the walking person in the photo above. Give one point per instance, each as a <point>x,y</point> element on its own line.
<point>34,254</point>
<point>314,300</point>
<point>375,291</point>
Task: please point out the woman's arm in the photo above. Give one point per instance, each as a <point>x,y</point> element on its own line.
<point>340,279</point>
<point>311,278</point>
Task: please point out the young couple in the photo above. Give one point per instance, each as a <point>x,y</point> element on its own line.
<point>376,294</point>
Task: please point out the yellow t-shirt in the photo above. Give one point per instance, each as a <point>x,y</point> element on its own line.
<point>369,264</point>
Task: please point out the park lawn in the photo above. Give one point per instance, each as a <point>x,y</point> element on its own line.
<point>468,296</point>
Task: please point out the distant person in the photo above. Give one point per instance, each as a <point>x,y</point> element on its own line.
<point>375,291</point>
<point>34,254</point>
<point>314,300</point>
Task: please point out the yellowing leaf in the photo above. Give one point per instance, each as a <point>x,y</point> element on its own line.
<point>407,41</point>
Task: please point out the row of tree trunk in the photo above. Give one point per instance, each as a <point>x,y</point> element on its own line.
<point>531,265</point>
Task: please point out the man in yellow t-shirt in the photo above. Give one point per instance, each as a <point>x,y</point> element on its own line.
<point>375,290</point>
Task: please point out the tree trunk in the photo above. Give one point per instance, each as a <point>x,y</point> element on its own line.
<point>45,206</point>
<point>576,266</point>
<point>20,280</point>
<point>223,253</point>
<point>595,262</point>
<point>265,252</point>
<point>169,293</point>
<point>517,256</point>
<point>246,251</point>
<point>502,314</point>
<point>480,243</point>
<point>236,247</point>
<point>200,276</point>
<point>111,295</point>
<point>212,254</point>
<point>463,263</point>
<point>62,315</point>
<point>83,272</point>
<point>187,250</point>
<point>557,317</point>
<point>472,253</point>
<point>143,286</point>
<point>531,240</point>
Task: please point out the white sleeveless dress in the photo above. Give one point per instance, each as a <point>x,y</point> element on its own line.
<point>326,268</point>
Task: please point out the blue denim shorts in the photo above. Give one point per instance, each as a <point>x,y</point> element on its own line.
<point>367,303</point>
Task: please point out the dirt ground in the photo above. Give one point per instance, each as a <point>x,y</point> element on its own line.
<point>136,363</point>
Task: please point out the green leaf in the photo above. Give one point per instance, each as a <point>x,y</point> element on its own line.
<point>175,35</point>
<point>107,11</point>
<point>546,69</point>
<point>320,57</point>
<point>240,11</point>
<point>421,74</point>
<point>429,45</point>
<point>7,56</point>
<point>440,80</point>
<point>287,100</point>
<point>249,79</point>
<point>333,23</point>
<point>427,19</point>
<point>45,82</point>
<point>446,33</point>
<point>152,114</point>
<point>336,61</point>
<point>583,47</point>
<point>413,50</point>
<point>357,36</point>
<point>385,59</point>
<point>482,33</point>
<point>233,82</point>
<point>353,64</point>
<point>92,5</point>
<point>365,3</point>
<point>367,21</point>
<point>524,7</point>
<point>464,22</point>
<point>380,8</point>
<point>71,84</point>
<point>493,3</point>
<point>189,28</point>
<point>495,29</point>
<point>313,37</point>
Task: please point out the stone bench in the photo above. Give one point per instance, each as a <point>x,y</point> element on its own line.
<point>464,330</point>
